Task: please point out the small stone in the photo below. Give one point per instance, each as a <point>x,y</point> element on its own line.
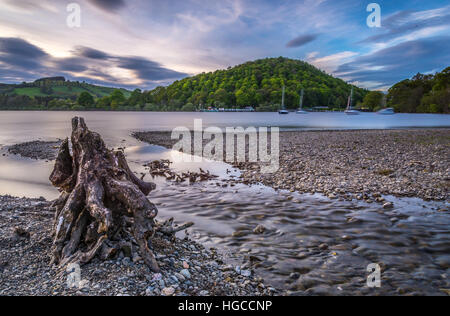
<point>168,291</point>
<point>323,247</point>
<point>238,234</point>
<point>185,265</point>
<point>260,229</point>
<point>204,293</point>
<point>149,291</point>
<point>388,205</point>
<point>246,273</point>
<point>294,276</point>
<point>185,273</point>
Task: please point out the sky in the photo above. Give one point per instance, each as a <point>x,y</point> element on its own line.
<point>147,43</point>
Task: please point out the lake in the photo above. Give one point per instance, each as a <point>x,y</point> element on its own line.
<point>411,240</point>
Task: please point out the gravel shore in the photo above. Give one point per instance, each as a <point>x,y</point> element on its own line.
<point>187,267</point>
<point>362,165</point>
<point>37,150</point>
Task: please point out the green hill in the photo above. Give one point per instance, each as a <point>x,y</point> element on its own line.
<point>57,87</point>
<point>259,84</point>
<point>422,94</point>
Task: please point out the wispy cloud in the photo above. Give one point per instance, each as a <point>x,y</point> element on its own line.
<point>19,55</point>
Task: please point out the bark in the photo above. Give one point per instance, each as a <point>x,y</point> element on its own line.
<point>102,203</point>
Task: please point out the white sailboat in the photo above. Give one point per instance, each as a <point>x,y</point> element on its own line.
<point>349,110</point>
<point>283,110</point>
<point>300,109</point>
<point>385,110</point>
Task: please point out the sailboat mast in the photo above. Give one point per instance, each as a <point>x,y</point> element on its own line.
<point>282,99</point>
<point>301,99</point>
<point>350,100</point>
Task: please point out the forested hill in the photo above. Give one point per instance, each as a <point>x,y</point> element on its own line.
<point>259,84</point>
<point>422,94</point>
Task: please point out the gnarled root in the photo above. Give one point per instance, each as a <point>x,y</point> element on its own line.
<point>102,203</point>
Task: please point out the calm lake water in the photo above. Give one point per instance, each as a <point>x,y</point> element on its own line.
<point>412,241</point>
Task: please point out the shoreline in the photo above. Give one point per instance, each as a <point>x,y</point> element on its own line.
<point>188,268</point>
<point>124,276</point>
<point>352,164</point>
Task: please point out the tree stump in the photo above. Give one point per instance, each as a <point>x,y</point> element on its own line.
<point>103,205</point>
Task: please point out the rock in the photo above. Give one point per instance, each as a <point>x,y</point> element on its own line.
<point>238,234</point>
<point>204,293</point>
<point>180,277</point>
<point>185,273</point>
<point>185,265</point>
<point>388,205</point>
<point>260,229</point>
<point>294,276</point>
<point>168,291</point>
<point>21,233</point>
<point>323,247</point>
<point>246,273</point>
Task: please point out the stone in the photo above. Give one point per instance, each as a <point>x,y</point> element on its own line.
<point>168,291</point>
<point>323,247</point>
<point>185,273</point>
<point>388,205</point>
<point>260,229</point>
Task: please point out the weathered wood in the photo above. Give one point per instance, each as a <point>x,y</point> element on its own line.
<point>100,199</point>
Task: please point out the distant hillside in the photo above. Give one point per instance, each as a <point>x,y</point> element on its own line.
<point>258,83</point>
<point>57,87</point>
<point>422,94</point>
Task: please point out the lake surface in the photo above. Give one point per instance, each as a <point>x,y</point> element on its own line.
<point>411,241</point>
<point>21,126</point>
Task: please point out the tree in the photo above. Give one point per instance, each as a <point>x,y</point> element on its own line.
<point>422,94</point>
<point>189,107</point>
<point>373,100</point>
<point>85,99</point>
<point>117,96</point>
<point>135,98</point>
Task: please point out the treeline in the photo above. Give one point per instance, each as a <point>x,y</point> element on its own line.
<point>422,94</point>
<point>258,84</point>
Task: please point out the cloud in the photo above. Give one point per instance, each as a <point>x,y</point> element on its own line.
<point>16,52</point>
<point>390,65</point>
<point>331,62</point>
<point>302,40</point>
<point>91,53</point>
<point>405,22</point>
<point>147,69</point>
<point>21,60</point>
<point>109,5</point>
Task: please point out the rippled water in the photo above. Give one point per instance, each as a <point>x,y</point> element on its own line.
<point>411,242</point>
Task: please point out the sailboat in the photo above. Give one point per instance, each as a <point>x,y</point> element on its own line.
<point>386,111</point>
<point>300,109</point>
<point>283,108</point>
<point>349,110</point>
